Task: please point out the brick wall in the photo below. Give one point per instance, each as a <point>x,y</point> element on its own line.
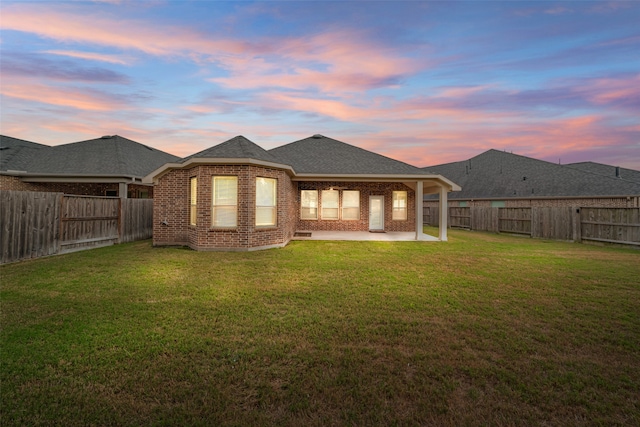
<point>15,184</point>
<point>81,188</point>
<point>171,208</point>
<point>595,202</point>
<point>172,203</point>
<point>366,189</point>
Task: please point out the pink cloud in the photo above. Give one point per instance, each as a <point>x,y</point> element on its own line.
<point>80,99</point>
<point>119,33</point>
<point>113,59</point>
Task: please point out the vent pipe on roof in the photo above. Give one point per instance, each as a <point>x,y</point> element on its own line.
<point>618,172</point>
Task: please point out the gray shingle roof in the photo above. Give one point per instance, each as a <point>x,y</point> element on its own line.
<point>237,147</point>
<point>16,153</point>
<point>498,175</point>
<point>112,155</point>
<point>606,170</point>
<point>322,155</point>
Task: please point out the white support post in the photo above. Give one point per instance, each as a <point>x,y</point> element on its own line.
<point>419,205</point>
<point>444,210</point>
<point>122,190</point>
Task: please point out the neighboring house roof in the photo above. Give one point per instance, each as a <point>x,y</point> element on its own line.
<point>238,147</point>
<point>16,153</point>
<point>319,154</point>
<point>495,174</point>
<point>607,170</point>
<point>105,156</point>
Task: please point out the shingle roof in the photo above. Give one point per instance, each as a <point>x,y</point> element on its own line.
<point>497,174</point>
<point>109,155</point>
<point>237,147</point>
<point>607,170</point>
<point>319,154</point>
<point>16,153</point>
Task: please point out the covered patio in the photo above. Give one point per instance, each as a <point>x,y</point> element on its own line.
<point>391,236</point>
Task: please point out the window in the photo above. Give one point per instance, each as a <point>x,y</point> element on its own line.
<point>350,204</point>
<point>224,209</point>
<point>111,193</point>
<point>330,204</point>
<point>399,205</point>
<point>309,204</point>
<point>266,196</point>
<point>193,199</point>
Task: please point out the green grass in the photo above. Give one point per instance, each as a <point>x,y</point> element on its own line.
<point>482,330</point>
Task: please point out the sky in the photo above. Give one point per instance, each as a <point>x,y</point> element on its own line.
<point>423,82</point>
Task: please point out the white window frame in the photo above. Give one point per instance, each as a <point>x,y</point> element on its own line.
<point>325,210</point>
<point>216,222</point>
<point>399,210</point>
<point>346,205</point>
<point>313,204</point>
<point>264,205</point>
<point>193,200</point>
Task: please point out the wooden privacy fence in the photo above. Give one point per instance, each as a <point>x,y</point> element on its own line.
<point>35,224</point>
<point>611,225</point>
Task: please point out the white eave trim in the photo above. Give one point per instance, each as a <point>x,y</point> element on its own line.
<point>52,177</point>
<point>156,174</point>
<point>450,185</point>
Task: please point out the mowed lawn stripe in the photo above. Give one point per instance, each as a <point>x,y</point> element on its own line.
<point>483,329</point>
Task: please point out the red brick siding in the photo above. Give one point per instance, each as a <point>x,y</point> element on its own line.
<point>366,189</point>
<point>80,188</point>
<point>172,202</point>
<point>595,202</point>
<point>14,183</point>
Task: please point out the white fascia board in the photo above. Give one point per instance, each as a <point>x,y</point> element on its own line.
<point>156,174</point>
<point>439,179</point>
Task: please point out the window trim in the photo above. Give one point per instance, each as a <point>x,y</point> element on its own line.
<point>193,201</point>
<point>337,208</point>
<point>213,205</point>
<point>342,207</point>
<point>404,209</point>
<point>309,207</point>
<point>274,206</point>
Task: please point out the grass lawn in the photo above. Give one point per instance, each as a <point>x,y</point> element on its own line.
<point>483,330</point>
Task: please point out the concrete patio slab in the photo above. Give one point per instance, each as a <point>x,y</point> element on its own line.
<point>391,236</point>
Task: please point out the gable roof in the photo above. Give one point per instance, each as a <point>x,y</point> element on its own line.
<point>108,155</point>
<point>496,174</point>
<point>319,154</point>
<point>16,153</point>
<point>607,170</point>
<point>316,157</point>
<point>237,147</point>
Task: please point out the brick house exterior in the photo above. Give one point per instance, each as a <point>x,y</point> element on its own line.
<point>242,159</point>
<point>107,166</point>
<point>500,179</point>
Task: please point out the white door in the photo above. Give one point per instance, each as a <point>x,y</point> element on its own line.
<point>376,212</point>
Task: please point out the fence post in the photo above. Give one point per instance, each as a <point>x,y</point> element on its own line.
<point>120,220</point>
<point>576,223</point>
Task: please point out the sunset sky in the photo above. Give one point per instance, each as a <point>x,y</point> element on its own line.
<point>422,82</point>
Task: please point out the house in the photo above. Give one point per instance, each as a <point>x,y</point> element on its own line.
<point>238,196</point>
<point>500,179</point>
<point>106,166</point>
<point>607,170</point>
